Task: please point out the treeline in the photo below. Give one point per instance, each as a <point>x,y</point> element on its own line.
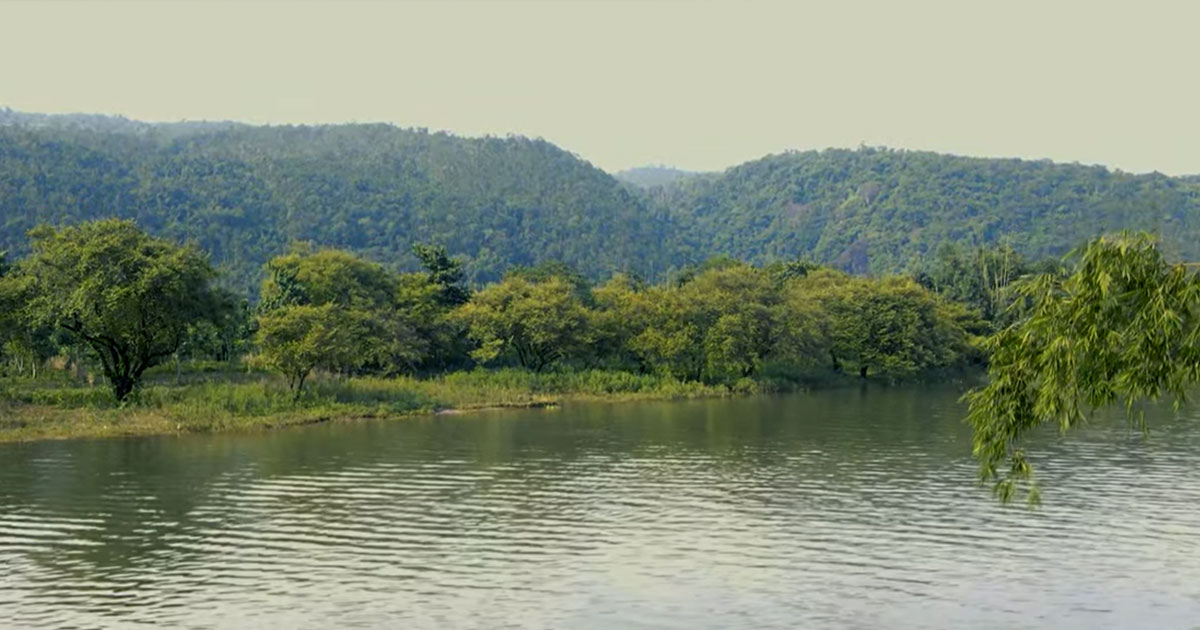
<point>108,294</point>
<point>243,192</point>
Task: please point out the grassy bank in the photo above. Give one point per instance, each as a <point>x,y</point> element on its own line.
<point>208,399</point>
<point>212,401</point>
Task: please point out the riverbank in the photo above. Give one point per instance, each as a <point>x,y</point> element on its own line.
<point>207,402</point>
<point>204,403</point>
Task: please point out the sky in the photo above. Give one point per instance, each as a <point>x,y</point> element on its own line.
<point>697,85</point>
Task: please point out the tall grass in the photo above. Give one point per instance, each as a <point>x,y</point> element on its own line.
<point>215,400</point>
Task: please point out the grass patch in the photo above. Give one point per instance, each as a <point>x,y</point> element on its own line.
<point>231,401</point>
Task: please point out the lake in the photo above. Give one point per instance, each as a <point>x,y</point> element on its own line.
<point>850,508</point>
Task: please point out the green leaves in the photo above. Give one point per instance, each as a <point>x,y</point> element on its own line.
<point>891,326</point>
<point>540,322</point>
<point>361,317</point>
<point>128,297</point>
<point>297,339</point>
<point>1122,327</point>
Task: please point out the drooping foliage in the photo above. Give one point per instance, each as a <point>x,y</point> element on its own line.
<point>1123,327</point>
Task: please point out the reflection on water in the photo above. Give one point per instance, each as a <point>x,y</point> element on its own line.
<point>843,509</point>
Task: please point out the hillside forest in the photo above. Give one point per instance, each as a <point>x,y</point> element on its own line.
<point>243,194</point>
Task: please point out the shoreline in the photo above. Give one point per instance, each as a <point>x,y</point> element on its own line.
<point>42,413</point>
<point>25,423</point>
<point>49,424</point>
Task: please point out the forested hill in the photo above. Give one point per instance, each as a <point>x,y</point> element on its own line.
<point>879,210</point>
<point>244,193</point>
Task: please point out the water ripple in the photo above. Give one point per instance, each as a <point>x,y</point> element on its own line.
<point>833,510</point>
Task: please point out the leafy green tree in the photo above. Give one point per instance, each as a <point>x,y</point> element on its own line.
<point>328,276</point>
<point>444,272</point>
<point>734,306</point>
<point>433,340</point>
<point>24,343</point>
<point>667,332</point>
<point>621,312</point>
<point>1124,326</point>
<point>981,279</point>
<point>388,334</point>
<point>802,338</point>
<point>428,299</point>
<point>891,327</point>
<point>538,322</point>
<point>128,297</point>
<point>297,339</point>
<point>718,323</point>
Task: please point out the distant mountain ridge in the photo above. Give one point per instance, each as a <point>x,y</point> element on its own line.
<point>651,176</point>
<point>244,192</point>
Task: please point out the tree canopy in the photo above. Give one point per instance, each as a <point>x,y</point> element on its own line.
<point>129,297</point>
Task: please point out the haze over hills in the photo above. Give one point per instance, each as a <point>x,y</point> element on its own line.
<point>651,176</point>
<point>245,192</point>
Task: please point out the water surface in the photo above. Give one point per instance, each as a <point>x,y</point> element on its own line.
<point>852,508</point>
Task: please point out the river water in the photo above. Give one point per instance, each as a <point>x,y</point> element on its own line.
<point>852,508</point>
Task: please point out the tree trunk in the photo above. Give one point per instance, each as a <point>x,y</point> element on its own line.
<point>122,386</point>
<point>299,387</point>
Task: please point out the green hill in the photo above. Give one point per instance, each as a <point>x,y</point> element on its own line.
<point>244,193</point>
<point>879,210</point>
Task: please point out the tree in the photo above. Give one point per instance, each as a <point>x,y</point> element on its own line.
<point>328,276</point>
<point>367,297</point>
<point>891,327</point>
<point>717,324</point>
<point>444,272</point>
<point>1123,327</point>
<point>128,297</point>
<point>980,279</point>
<point>428,299</point>
<point>539,322</point>
<point>734,306</point>
<point>24,343</point>
<point>297,339</point>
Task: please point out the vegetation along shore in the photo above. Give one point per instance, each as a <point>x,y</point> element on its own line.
<point>109,331</point>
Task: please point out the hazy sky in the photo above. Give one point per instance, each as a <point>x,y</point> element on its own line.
<point>699,85</point>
